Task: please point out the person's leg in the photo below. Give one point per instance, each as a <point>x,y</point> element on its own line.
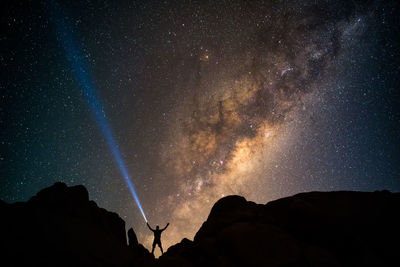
<point>159,244</point>
<point>154,245</point>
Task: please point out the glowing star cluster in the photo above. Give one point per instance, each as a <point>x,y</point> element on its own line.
<point>241,113</point>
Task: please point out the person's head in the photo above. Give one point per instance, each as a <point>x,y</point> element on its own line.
<point>157,227</point>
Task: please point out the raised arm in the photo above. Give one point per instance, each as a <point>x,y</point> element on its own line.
<point>148,225</point>
<point>165,227</point>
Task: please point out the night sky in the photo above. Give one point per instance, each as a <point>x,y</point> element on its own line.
<point>204,99</point>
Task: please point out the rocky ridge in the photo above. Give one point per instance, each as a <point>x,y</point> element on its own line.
<point>60,226</point>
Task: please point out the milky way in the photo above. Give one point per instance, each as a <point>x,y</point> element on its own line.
<point>206,99</point>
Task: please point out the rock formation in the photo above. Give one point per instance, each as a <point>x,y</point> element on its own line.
<point>61,227</point>
<point>308,229</point>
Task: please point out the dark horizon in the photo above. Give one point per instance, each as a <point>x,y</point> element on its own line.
<point>343,228</point>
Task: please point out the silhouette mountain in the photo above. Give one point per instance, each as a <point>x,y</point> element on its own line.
<point>61,227</point>
<point>308,229</point>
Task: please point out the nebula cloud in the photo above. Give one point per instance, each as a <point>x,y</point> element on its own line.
<point>238,110</point>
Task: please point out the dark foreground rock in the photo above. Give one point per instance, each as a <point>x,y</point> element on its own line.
<point>308,229</point>
<point>61,227</point>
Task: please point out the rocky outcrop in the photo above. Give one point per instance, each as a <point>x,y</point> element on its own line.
<point>308,229</point>
<point>133,242</point>
<point>61,227</point>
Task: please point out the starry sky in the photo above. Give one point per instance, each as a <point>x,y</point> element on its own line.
<point>205,99</point>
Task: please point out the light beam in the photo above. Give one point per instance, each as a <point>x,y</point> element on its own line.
<point>75,57</point>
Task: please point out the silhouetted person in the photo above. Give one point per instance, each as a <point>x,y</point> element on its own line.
<point>157,237</point>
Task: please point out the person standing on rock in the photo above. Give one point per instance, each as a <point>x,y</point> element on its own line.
<point>157,237</point>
